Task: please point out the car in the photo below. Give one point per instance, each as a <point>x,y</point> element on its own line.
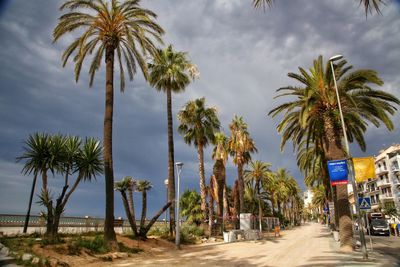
<point>379,227</point>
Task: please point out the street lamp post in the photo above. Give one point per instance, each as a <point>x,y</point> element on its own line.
<point>179,166</point>
<point>350,161</point>
<point>166,212</point>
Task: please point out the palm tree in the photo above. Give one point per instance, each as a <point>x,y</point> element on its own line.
<point>143,186</point>
<point>124,29</point>
<point>198,126</point>
<point>220,155</point>
<point>313,117</point>
<point>125,186</point>
<point>190,206</point>
<point>369,5</point>
<point>241,145</point>
<point>258,173</point>
<point>171,71</point>
<point>319,197</point>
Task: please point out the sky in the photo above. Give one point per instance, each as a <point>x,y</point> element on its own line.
<point>243,56</point>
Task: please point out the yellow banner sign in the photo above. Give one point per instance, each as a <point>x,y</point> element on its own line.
<point>364,168</point>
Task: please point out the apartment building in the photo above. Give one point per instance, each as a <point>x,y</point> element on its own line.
<point>384,189</point>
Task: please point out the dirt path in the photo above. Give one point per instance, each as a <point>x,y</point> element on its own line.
<point>309,245</point>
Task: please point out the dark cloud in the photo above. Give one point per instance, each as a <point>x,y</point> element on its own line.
<point>243,56</point>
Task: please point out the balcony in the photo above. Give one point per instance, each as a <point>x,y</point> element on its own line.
<point>383,183</point>
<point>386,197</point>
<point>395,168</point>
<point>380,171</point>
<point>375,206</point>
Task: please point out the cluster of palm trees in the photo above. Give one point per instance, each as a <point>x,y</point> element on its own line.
<point>279,189</point>
<point>127,187</point>
<point>70,157</point>
<point>199,125</point>
<point>312,122</point>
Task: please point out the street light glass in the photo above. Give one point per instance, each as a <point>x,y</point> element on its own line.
<point>336,57</point>
<point>166,181</point>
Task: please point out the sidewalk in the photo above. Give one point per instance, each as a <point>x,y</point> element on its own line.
<point>355,259</point>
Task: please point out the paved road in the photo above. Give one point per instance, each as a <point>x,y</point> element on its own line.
<point>309,245</point>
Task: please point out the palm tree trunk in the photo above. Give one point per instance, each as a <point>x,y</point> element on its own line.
<point>272,203</point>
<point>259,207</point>
<point>278,203</point>
<point>241,187</point>
<point>210,209</point>
<point>130,201</point>
<point>109,233</point>
<point>144,209</point>
<point>44,179</point>
<point>154,219</point>
<point>219,172</point>
<point>131,220</point>
<point>334,150</point>
<point>203,190</point>
<point>28,213</point>
<point>227,212</point>
<point>171,162</point>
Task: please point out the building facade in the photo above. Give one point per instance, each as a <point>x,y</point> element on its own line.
<point>384,189</point>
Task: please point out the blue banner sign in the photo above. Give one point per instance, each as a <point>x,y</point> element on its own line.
<point>338,171</point>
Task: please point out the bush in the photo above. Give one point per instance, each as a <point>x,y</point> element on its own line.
<point>190,233</point>
<point>96,245</point>
<point>160,231</point>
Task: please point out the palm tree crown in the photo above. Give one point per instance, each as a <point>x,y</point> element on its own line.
<point>240,143</point>
<point>198,123</point>
<point>171,70</point>
<point>315,102</point>
<point>124,27</point>
<point>369,5</point>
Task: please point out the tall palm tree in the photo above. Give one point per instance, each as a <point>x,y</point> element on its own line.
<point>270,186</point>
<point>369,5</point>
<point>319,197</point>
<point>171,71</point>
<point>111,29</point>
<point>258,173</point>
<point>313,117</point>
<point>220,155</point>
<point>198,125</point>
<point>241,145</point>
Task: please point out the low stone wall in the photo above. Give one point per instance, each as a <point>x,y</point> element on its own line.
<point>70,230</point>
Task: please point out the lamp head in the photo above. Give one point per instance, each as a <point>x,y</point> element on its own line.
<point>166,181</point>
<point>179,164</point>
<point>335,58</point>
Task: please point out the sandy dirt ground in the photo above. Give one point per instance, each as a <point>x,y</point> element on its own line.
<point>308,245</point>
